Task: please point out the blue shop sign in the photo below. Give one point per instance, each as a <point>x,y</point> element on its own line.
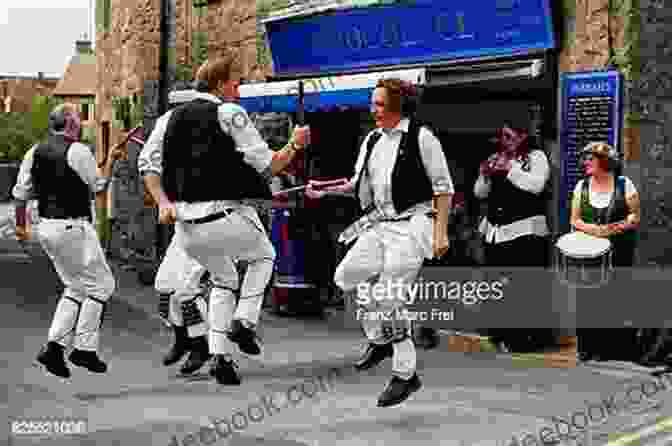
<point>419,32</point>
<point>591,110</point>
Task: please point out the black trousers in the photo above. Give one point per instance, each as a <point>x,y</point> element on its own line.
<point>528,251</point>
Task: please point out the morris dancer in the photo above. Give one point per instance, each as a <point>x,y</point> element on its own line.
<point>182,304</point>
<point>178,282</point>
<point>202,191</point>
<point>401,169</point>
<point>61,174</point>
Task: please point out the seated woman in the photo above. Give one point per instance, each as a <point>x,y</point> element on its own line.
<point>606,204</point>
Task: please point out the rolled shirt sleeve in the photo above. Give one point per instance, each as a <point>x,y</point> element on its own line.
<point>235,121</point>
<point>151,156</point>
<point>23,189</point>
<point>533,179</point>
<point>82,161</point>
<point>435,162</point>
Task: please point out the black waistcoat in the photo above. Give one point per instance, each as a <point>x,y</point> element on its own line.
<point>200,161</point>
<point>615,212</point>
<point>61,193</point>
<point>410,183</point>
<point>508,203</point>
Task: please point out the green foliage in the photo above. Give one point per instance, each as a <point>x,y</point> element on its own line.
<point>20,131</point>
<point>17,135</point>
<point>184,73</point>
<point>137,111</point>
<point>627,58</point>
<point>199,49</point>
<point>103,15</point>
<point>122,112</point>
<point>264,9</point>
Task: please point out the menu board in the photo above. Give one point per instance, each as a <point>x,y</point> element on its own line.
<point>590,111</point>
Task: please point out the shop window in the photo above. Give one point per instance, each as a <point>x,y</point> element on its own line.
<point>105,135</point>
<point>85,113</point>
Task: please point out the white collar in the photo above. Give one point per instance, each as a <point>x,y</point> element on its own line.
<point>402,126</point>
<point>208,97</point>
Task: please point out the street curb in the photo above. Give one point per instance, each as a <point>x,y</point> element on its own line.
<point>566,357</point>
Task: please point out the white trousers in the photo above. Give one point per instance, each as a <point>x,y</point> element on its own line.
<point>74,248</point>
<point>379,266</point>
<point>178,281</point>
<point>216,245</point>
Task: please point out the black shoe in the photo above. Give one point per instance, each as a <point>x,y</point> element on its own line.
<point>89,360</point>
<point>427,338</point>
<point>245,337</point>
<point>224,371</point>
<point>374,355</point>
<point>52,358</point>
<point>198,355</point>
<point>398,390</point>
<point>180,346</point>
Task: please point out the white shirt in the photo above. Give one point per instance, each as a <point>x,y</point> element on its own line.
<point>235,122</point>
<point>532,180</point>
<point>600,200</point>
<point>80,159</point>
<point>382,161</point>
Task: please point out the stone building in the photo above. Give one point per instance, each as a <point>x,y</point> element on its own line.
<point>78,85</point>
<point>129,81</point>
<point>17,91</point>
<point>596,34</point>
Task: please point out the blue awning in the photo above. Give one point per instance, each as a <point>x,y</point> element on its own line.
<point>320,94</point>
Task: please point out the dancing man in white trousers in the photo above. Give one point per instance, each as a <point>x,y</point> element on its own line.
<point>183,305</point>
<point>179,283</point>
<point>61,174</point>
<point>400,171</point>
<point>203,163</point>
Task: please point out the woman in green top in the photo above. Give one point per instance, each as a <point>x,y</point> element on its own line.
<point>606,204</point>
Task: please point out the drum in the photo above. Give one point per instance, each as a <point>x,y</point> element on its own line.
<point>583,261</point>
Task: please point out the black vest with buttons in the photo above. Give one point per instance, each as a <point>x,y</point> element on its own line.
<point>623,244</point>
<point>410,183</point>
<point>507,203</point>
<point>201,162</point>
<point>61,192</point>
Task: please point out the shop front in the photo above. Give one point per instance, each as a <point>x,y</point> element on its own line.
<point>478,65</point>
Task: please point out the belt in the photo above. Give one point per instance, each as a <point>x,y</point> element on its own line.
<point>210,218</point>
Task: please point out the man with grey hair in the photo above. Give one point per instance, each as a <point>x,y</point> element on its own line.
<point>61,173</point>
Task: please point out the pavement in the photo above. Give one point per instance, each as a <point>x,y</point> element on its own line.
<point>478,399</point>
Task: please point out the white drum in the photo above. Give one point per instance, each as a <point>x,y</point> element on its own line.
<point>583,261</point>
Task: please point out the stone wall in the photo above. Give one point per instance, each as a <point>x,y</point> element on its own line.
<point>653,98</point>
<point>128,67</point>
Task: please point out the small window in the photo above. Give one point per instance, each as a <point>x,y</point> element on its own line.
<point>105,146</point>
<point>85,112</point>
